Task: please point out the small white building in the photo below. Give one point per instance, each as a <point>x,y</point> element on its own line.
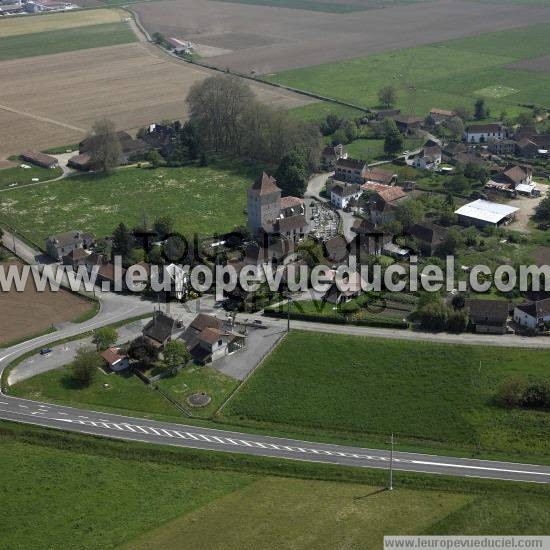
<point>533,315</point>
<point>428,159</point>
<point>482,133</point>
<point>341,194</point>
<point>482,213</point>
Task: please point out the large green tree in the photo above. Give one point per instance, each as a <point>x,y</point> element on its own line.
<point>292,174</point>
<point>104,337</point>
<point>393,142</point>
<point>84,366</point>
<point>175,353</point>
<point>103,146</point>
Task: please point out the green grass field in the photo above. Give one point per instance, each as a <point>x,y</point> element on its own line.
<point>203,200</point>
<point>65,40</point>
<point>125,394</point>
<point>77,491</point>
<point>444,75</point>
<point>431,394</point>
<point>23,176</point>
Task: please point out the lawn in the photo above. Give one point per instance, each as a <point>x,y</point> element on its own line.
<point>59,21</point>
<point>65,40</point>
<point>203,200</point>
<point>22,176</point>
<point>77,491</point>
<point>444,75</point>
<point>125,394</point>
<point>195,379</point>
<point>439,395</point>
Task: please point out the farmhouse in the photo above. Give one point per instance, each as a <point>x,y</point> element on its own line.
<point>60,245</point>
<point>159,330</point>
<point>488,316</point>
<point>161,137</point>
<point>180,46</point>
<point>533,315</point>
<point>341,194</point>
<point>80,162</point>
<point>482,213</point>
<point>407,124</point>
<point>513,178</point>
<point>429,158</point>
<point>209,338</point>
<point>481,133</point>
<point>40,159</point>
<point>384,204</point>
<point>501,147</point>
<point>115,360</point>
<point>440,115</point>
<point>380,176</point>
<point>336,249</point>
<point>331,154</point>
<point>268,213</point>
<point>350,170</point>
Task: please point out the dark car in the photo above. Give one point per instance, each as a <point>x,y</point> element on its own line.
<point>45,351</point>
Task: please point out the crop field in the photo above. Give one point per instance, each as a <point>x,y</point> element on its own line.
<point>59,21</point>
<point>325,6</point>
<point>203,200</point>
<point>274,37</point>
<point>441,394</point>
<point>25,314</point>
<point>65,40</point>
<point>445,75</point>
<point>539,64</point>
<point>133,85</point>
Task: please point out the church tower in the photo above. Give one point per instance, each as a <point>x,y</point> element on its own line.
<point>264,204</point>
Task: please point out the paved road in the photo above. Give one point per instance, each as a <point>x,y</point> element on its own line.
<point>181,435</point>
<point>117,307</point>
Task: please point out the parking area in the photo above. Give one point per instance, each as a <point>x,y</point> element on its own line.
<point>259,343</point>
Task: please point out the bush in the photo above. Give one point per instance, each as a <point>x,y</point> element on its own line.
<point>518,392</point>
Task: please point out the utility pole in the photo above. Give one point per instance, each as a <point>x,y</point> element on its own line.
<point>288,313</point>
<point>390,486</point>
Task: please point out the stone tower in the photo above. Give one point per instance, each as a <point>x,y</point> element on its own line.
<point>264,204</point>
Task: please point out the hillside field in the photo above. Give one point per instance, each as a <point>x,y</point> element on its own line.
<point>427,394</point>
<point>203,200</point>
<point>445,74</point>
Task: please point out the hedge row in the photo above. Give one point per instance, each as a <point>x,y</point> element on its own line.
<point>388,322</point>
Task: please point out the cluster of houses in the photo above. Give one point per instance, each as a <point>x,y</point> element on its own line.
<point>207,337</point>
<point>21,7</point>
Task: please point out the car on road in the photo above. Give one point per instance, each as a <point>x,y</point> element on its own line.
<point>45,351</point>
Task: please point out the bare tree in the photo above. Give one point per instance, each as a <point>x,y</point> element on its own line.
<point>103,146</point>
<point>218,105</point>
<point>387,96</point>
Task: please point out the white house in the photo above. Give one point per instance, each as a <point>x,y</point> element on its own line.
<point>533,315</point>
<point>341,194</point>
<point>428,159</point>
<point>179,279</point>
<point>482,133</point>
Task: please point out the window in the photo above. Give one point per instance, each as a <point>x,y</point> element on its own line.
<point>219,343</point>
